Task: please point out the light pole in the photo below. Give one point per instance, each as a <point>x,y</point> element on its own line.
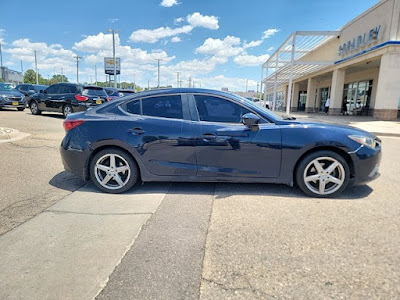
<point>95,73</point>
<point>134,81</point>
<point>37,74</point>
<point>177,79</point>
<point>113,31</point>
<point>77,67</point>
<point>158,71</point>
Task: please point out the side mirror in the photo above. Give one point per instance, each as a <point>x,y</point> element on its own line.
<point>43,91</point>
<point>250,120</point>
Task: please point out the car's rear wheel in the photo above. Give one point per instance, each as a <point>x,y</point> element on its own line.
<point>323,174</point>
<point>113,170</point>
<point>34,108</point>
<point>67,109</point>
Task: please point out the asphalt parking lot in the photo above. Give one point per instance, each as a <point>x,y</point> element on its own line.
<point>188,241</point>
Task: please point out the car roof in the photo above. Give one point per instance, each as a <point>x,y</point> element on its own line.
<point>167,91</point>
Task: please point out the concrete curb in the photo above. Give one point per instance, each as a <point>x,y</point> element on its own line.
<point>8,135</point>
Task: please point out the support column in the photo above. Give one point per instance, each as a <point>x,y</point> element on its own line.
<point>295,97</point>
<point>310,102</point>
<point>335,107</point>
<point>388,91</point>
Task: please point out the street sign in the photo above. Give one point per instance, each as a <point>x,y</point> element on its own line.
<point>109,65</point>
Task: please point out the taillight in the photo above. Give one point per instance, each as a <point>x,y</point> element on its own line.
<point>109,98</point>
<point>81,98</point>
<point>70,124</point>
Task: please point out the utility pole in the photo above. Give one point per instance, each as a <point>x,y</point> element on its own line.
<point>113,31</point>
<point>177,79</point>
<point>22,71</point>
<point>134,81</point>
<point>158,71</point>
<point>247,84</point>
<point>62,74</point>
<point>37,74</point>
<point>148,84</point>
<point>77,67</point>
<point>190,81</point>
<point>95,73</point>
<point>1,63</point>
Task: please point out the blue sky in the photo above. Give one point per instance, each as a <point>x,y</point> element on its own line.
<point>220,43</point>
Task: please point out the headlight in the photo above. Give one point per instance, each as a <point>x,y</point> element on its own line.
<point>364,140</point>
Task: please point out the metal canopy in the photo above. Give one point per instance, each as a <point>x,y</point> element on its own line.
<point>289,61</point>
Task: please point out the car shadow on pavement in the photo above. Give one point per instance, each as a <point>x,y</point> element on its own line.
<point>67,181</point>
<point>71,182</point>
<point>279,190</point>
<point>55,116</point>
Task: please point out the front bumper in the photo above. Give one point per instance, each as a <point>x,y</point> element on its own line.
<point>366,164</point>
<point>10,105</point>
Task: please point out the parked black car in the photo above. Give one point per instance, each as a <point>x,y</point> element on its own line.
<point>11,98</point>
<point>205,135</point>
<point>67,98</point>
<point>29,89</point>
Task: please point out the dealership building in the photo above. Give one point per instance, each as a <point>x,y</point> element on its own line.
<point>357,67</point>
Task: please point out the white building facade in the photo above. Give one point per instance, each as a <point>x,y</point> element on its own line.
<point>357,67</point>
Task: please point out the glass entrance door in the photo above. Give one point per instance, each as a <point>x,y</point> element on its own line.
<point>301,106</point>
<point>324,93</point>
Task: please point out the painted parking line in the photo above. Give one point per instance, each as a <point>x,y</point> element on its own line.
<point>69,251</point>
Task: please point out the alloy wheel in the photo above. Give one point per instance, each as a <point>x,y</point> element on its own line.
<point>324,175</point>
<point>34,108</point>
<point>67,110</point>
<point>112,171</point>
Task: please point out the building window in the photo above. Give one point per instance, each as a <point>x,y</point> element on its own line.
<point>357,97</point>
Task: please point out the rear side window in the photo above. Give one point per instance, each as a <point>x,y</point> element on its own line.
<point>163,106</point>
<point>87,91</point>
<point>133,107</point>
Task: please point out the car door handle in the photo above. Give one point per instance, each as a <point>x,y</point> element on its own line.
<point>209,136</point>
<point>137,130</point>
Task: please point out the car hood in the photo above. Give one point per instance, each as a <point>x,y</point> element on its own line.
<point>11,93</point>
<point>346,129</point>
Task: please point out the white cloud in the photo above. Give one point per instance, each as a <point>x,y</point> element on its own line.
<point>252,44</point>
<point>198,20</point>
<point>232,83</point>
<point>250,60</point>
<point>95,43</point>
<point>176,39</point>
<point>168,3</point>
<point>269,32</point>
<point>270,49</point>
<point>178,20</point>
<point>229,46</point>
<point>153,35</point>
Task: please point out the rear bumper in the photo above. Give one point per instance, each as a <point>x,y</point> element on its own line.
<point>366,164</point>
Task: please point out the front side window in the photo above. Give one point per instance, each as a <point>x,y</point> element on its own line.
<point>53,89</point>
<point>163,106</point>
<point>215,109</point>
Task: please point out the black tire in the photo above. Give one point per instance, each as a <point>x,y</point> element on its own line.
<point>34,108</point>
<point>21,108</point>
<point>67,109</point>
<point>324,159</point>
<point>122,158</point>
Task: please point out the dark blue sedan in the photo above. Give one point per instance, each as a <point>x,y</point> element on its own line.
<point>198,135</point>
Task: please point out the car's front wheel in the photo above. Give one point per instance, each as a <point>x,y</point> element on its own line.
<point>323,174</point>
<point>113,170</point>
<point>34,108</point>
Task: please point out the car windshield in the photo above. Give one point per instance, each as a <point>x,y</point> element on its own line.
<point>91,91</point>
<point>38,88</point>
<point>6,87</point>
<point>250,103</point>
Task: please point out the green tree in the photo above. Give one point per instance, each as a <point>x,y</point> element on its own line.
<point>30,77</point>
<point>58,78</point>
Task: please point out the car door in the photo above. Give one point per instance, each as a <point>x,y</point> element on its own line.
<point>44,98</point>
<point>51,97</point>
<point>160,129</point>
<point>226,147</point>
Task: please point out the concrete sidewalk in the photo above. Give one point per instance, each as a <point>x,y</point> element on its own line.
<point>380,128</point>
<point>70,250</point>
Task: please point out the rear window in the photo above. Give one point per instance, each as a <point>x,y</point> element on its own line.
<point>94,92</point>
